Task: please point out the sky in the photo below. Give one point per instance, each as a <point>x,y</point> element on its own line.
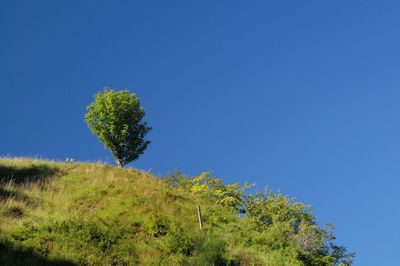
<point>299,96</point>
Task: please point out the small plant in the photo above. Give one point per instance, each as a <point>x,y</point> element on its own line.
<point>210,251</point>
<point>180,241</point>
<point>158,226</point>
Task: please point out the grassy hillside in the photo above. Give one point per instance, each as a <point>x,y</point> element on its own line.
<point>94,214</point>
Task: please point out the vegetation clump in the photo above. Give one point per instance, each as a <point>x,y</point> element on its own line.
<point>95,214</point>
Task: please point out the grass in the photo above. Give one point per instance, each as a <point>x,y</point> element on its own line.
<point>96,203</point>
<point>54,213</point>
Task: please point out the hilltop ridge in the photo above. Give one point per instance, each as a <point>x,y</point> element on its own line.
<point>54,213</point>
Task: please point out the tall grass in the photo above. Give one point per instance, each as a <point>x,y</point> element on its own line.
<point>57,213</point>
<point>88,213</point>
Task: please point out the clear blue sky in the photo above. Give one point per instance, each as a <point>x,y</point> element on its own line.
<point>302,96</point>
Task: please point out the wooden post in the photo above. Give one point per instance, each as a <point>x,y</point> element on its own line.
<point>199,215</point>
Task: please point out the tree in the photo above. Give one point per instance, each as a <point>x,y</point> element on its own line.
<point>275,224</point>
<point>115,117</point>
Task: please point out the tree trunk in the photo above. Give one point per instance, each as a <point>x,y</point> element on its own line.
<point>119,163</point>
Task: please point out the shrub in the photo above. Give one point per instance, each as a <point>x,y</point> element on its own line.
<point>180,241</point>
<point>210,251</point>
<point>157,226</point>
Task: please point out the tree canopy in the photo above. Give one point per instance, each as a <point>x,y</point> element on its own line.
<point>115,117</point>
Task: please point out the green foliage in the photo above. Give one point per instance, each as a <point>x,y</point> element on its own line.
<point>285,223</point>
<point>178,180</point>
<point>93,214</point>
<point>157,226</point>
<point>227,195</point>
<point>283,228</point>
<point>90,243</point>
<point>115,117</point>
<point>180,241</point>
<point>211,251</point>
<point>268,208</point>
<point>27,173</point>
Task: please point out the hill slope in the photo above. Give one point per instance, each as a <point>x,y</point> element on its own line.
<point>94,214</point>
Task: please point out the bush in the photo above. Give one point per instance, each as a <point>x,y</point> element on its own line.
<point>180,241</point>
<point>87,243</point>
<point>210,251</point>
<point>157,226</point>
